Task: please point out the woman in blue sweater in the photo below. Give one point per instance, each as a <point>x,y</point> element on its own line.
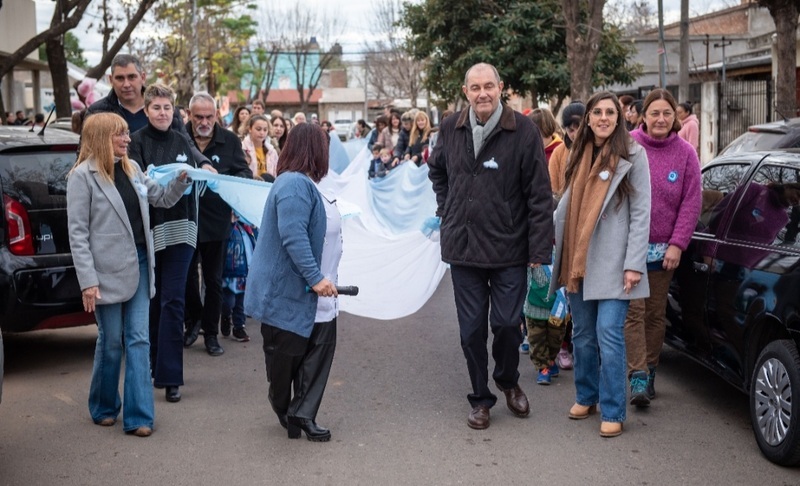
<point>286,280</point>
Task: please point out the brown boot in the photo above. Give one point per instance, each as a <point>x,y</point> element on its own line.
<point>610,429</point>
<point>580,412</point>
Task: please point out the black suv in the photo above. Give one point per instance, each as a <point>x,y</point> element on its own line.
<point>766,136</point>
<point>38,285</point>
<point>734,302</point>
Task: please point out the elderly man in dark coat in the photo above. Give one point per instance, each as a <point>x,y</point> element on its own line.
<point>493,193</point>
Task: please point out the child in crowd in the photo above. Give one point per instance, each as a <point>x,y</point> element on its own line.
<point>544,318</point>
<point>375,163</point>
<point>238,255</point>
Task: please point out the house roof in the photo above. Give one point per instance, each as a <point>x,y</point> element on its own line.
<point>279,97</point>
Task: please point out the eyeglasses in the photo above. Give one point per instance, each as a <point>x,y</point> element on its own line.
<point>126,133</point>
<point>609,112</point>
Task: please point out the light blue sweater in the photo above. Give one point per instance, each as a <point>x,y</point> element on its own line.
<point>287,256</point>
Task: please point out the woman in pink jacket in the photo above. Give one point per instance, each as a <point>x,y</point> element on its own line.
<point>690,126</point>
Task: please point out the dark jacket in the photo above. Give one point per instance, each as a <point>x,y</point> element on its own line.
<point>402,143</point>
<point>492,217</point>
<point>150,146</point>
<point>227,157</point>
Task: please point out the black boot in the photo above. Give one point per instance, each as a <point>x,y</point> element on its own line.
<point>314,432</point>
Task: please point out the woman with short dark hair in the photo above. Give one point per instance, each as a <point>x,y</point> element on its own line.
<point>676,201</point>
<point>174,233</point>
<point>291,284</point>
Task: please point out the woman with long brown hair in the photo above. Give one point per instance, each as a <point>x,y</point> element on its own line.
<point>112,250</point>
<point>602,225</point>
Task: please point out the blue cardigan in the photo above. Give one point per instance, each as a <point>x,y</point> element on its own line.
<point>287,256</point>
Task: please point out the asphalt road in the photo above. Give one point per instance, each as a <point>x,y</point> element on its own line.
<point>396,405</point>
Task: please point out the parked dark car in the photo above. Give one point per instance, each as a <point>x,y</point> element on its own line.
<point>38,285</point>
<point>766,136</point>
<point>734,302</point>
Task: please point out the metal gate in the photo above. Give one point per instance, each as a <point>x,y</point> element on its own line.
<point>742,104</point>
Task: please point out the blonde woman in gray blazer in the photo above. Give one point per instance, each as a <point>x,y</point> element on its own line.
<point>602,230</point>
<point>112,249</point>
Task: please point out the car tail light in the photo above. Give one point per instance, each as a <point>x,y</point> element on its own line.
<point>20,238</point>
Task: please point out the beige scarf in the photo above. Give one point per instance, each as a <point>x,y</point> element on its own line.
<point>587,192</point>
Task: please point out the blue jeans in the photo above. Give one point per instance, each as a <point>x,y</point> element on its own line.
<point>599,344</point>
<point>233,306</point>
<point>124,326</point>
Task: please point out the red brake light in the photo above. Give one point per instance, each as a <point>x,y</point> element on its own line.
<point>20,238</point>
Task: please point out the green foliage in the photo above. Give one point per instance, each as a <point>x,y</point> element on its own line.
<point>223,29</point>
<point>72,50</point>
<point>524,39</point>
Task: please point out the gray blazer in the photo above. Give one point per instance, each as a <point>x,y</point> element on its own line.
<point>620,237</point>
<point>100,233</point>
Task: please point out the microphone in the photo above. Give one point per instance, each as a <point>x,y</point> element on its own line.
<point>341,289</point>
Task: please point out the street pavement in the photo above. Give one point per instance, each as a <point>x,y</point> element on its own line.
<point>396,405</point>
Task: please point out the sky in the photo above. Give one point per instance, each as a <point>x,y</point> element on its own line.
<point>357,12</point>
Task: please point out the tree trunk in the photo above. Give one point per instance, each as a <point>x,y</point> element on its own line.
<point>785,17</point>
<point>583,44</point>
<point>57,62</point>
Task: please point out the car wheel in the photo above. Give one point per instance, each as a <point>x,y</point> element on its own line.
<point>775,402</point>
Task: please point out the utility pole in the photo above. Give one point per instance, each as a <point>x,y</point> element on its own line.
<point>722,45</point>
<point>662,49</point>
<point>683,86</point>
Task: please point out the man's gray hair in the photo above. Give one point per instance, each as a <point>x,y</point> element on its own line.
<point>122,60</point>
<point>202,96</point>
<point>483,65</point>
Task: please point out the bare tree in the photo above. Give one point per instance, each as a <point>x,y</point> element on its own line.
<point>634,17</point>
<point>71,12</point>
<point>131,20</point>
<point>303,28</point>
<point>391,69</point>
<point>584,25</point>
<point>261,61</point>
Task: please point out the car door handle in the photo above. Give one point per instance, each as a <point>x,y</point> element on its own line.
<point>700,267</point>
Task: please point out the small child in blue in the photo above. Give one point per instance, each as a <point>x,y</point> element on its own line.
<point>238,254</point>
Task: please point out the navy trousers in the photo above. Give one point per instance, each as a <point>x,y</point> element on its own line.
<point>481,293</point>
<point>166,315</point>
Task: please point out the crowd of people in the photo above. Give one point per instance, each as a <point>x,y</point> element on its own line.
<point>613,193</point>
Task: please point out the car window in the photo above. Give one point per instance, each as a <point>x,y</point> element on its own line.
<point>719,181</point>
<point>769,211</point>
<point>38,180</point>
<point>755,141</point>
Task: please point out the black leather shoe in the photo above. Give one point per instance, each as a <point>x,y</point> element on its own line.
<point>213,347</point>
<point>173,394</point>
<point>282,420</point>
<point>314,432</point>
<point>190,336</point>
